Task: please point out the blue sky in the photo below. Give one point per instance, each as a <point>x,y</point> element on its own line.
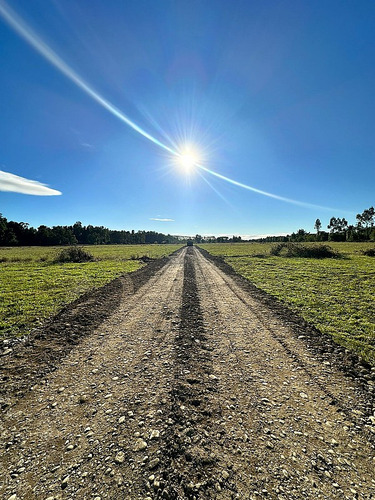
<point>275,95</point>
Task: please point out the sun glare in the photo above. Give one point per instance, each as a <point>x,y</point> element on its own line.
<point>187,160</point>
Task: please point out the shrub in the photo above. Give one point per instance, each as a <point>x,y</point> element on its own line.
<point>74,254</point>
<point>305,251</point>
<point>369,252</point>
<point>276,249</point>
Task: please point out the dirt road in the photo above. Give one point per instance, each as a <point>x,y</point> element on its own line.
<point>192,388</point>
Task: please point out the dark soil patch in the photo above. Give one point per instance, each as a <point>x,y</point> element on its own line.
<point>188,463</point>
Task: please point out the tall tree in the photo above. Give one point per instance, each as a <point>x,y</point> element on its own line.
<point>317,226</point>
<point>366,221</point>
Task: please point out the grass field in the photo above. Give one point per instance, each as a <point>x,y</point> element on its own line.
<point>33,287</point>
<point>336,295</point>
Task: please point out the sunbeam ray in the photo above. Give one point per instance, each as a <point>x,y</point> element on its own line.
<point>214,189</point>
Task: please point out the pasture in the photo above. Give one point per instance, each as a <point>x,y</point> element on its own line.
<point>336,295</point>
<point>33,286</point>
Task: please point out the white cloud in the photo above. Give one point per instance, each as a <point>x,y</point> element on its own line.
<point>16,184</point>
<point>161,220</point>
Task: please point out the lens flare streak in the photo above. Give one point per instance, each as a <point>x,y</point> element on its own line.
<point>50,55</point>
<point>40,46</point>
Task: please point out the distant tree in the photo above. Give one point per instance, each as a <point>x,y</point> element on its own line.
<point>3,229</point>
<point>318,226</point>
<point>300,235</point>
<point>198,238</point>
<point>366,221</point>
<point>236,239</point>
<point>337,228</point>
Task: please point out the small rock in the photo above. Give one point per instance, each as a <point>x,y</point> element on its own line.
<point>65,482</point>
<point>156,484</point>
<point>225,474</point>
<point>139,445</point>
<point>13,497</point>
<point>120,457</point>
<point>155,434</point>
<point>121,420</point>
<point>303,395</point>
<point>61,389</point>
<point>153,463</point>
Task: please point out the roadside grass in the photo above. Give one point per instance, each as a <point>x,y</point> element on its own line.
<point>335,295</point>
<point>33,286</point>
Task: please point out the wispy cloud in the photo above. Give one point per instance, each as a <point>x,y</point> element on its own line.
<point>17,184</point>
<point>86,145</point>
<point>161,220</point>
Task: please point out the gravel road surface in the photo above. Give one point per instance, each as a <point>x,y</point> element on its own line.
<point>179,382</point>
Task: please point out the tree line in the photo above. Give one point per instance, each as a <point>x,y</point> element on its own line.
<point>21,234</point>
<point>338,230</point>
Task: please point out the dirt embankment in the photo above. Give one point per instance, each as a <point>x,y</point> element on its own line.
<point>192,384</point>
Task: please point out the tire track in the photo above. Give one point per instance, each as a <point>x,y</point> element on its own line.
<point>292,442</point>
<point>342,405</point>
<point>80,433</point>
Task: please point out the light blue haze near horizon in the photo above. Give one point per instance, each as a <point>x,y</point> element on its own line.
<point>278,95</point>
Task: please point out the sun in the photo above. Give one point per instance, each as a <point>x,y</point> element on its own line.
<point>187,160</point>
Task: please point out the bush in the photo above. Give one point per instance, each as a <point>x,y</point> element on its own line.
<point>305,251</point>
<point>74,254</point>
<point>276,249</point>
<point>369,253</point>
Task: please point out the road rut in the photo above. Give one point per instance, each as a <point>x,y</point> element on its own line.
<point>192,388</point>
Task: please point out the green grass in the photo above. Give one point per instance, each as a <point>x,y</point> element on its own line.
<point>335,295</point>
<point>33,287</point>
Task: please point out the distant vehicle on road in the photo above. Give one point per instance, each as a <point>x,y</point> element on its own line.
<point>189,243</point>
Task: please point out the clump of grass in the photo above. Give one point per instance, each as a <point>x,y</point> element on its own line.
<point>74,254</point>
<point>143,258</point>
<point>15,259</point>
<point>370,252</point>
<point>305,251</point>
